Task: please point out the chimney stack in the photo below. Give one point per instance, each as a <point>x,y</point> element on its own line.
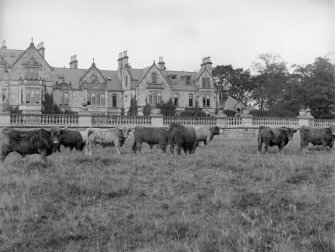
<point>206,63</point>
<point>74,62</point>
<point>40,48</point>
<point>4,45</point>
<point>125,59</point>
<point>161,64</point>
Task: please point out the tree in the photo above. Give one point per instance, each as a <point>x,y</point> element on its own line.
<point>167,108</point>
<point>48,105</point>
<point>271,81</point>
<point>234,82</point>
<point>315,87</point>
<point>133,107</point>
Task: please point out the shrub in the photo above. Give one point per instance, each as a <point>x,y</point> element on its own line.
<point>133,107</point>
<point>49,106</point>
<point>147,110</point>
<point>193,112</point>
<point>167,108</point>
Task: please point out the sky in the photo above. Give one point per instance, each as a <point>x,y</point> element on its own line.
<point>231,32</point>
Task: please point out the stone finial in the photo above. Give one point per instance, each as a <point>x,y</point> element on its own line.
<point>4,44</point>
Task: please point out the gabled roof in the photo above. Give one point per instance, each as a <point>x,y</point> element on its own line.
<point>31,46</point>
<point>75,75</point>
<point>10,55</point>
<point>93,66</point>
<point>2,61</point>
<point>230,104</point>
<point>201,72</point>
<point>180,84</point>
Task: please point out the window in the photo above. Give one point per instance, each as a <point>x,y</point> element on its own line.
<point>64,99</point>
<point>190,100</point>
<point>96,99</point>
<point>114,100</point>
<point>4,94</point>
<point>22,101</point>
<point>27,96</point>
<point>88,98</point>
<point>154,78</point>
<point>176,99</point>
<point>2,68</point>
<point>206,100</point>
<point>205,83</point>
<point>31,73</point>
<point>126,81</point>
<point>102,99</point>
<point>155,97</point>
<point>188,80</point>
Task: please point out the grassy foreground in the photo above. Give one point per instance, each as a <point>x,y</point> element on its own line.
<point>223,198</point>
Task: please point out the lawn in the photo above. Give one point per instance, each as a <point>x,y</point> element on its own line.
<point>225,197</point>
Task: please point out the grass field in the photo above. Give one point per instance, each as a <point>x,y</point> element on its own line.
<point>223,198</point>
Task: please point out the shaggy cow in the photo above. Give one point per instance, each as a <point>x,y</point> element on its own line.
<point>183,137</point>
<point>72,139</point>
<point>206,134</point>
<point>323,136</point>
<point>106,137</point>
<point>274,136</point>
<point>25,142</point>
<point>152,136</point>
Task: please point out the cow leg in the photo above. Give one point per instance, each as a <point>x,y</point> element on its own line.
<point>134,146</point>
<point>260,147</point>
<point>151,146</point>
<point>172,148</point>
<point>179,149</point>
<point>43,154</point>
<point>3,156</point>
<point>266,146</point>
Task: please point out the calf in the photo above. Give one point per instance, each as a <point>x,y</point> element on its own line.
<point>205,134</point>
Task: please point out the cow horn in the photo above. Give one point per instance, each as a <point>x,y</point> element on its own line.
<point>65,127</point>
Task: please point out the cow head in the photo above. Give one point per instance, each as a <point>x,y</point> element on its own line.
<point>126,132</point>
<point>288,132</point>
<point>216,131</point>
<point>56,133</point>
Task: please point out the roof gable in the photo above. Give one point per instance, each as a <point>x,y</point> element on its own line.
<point>93,75</point>
<point>31,57</point>
<point>148,70</point>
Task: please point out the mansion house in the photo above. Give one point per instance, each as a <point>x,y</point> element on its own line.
<point>25,76</point>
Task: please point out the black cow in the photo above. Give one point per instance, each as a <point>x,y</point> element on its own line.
<point>315,136</point>
<point>182,136</point>
<point>151,136</point>
<point>274,136</point>
<point>72,139</point>
<point>40,141</point>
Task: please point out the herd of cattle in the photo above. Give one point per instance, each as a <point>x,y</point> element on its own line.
<point>45,142</point>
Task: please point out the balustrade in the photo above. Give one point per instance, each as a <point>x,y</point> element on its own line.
<point>275,121</point>
<point>196,121</point>
<point>43,119</point>
<point>322,123</point>
<point>102,120</point>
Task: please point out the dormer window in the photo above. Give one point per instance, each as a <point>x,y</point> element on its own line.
<point>154,78</point>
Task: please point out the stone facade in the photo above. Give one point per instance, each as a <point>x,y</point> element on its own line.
<point>25,76</point>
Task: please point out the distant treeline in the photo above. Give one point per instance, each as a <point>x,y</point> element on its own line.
<point>277,90</point>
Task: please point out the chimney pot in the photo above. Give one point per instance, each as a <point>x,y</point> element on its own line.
<point>74,62</point>
<point>124,53</point>
<point>120,55</point>
<point>4,44</point>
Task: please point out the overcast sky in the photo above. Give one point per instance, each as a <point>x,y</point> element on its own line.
<point>183,32</point>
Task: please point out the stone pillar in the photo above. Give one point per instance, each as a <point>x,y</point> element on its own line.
<point>221,119</point>
<point>306,120</point>
<point>4,119</point>
<point>157,120</point>
<point>246,120</point>
<point>85,119</point>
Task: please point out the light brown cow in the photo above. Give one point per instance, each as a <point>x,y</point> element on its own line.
<point>106,137</point>
<point>205,134</point>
